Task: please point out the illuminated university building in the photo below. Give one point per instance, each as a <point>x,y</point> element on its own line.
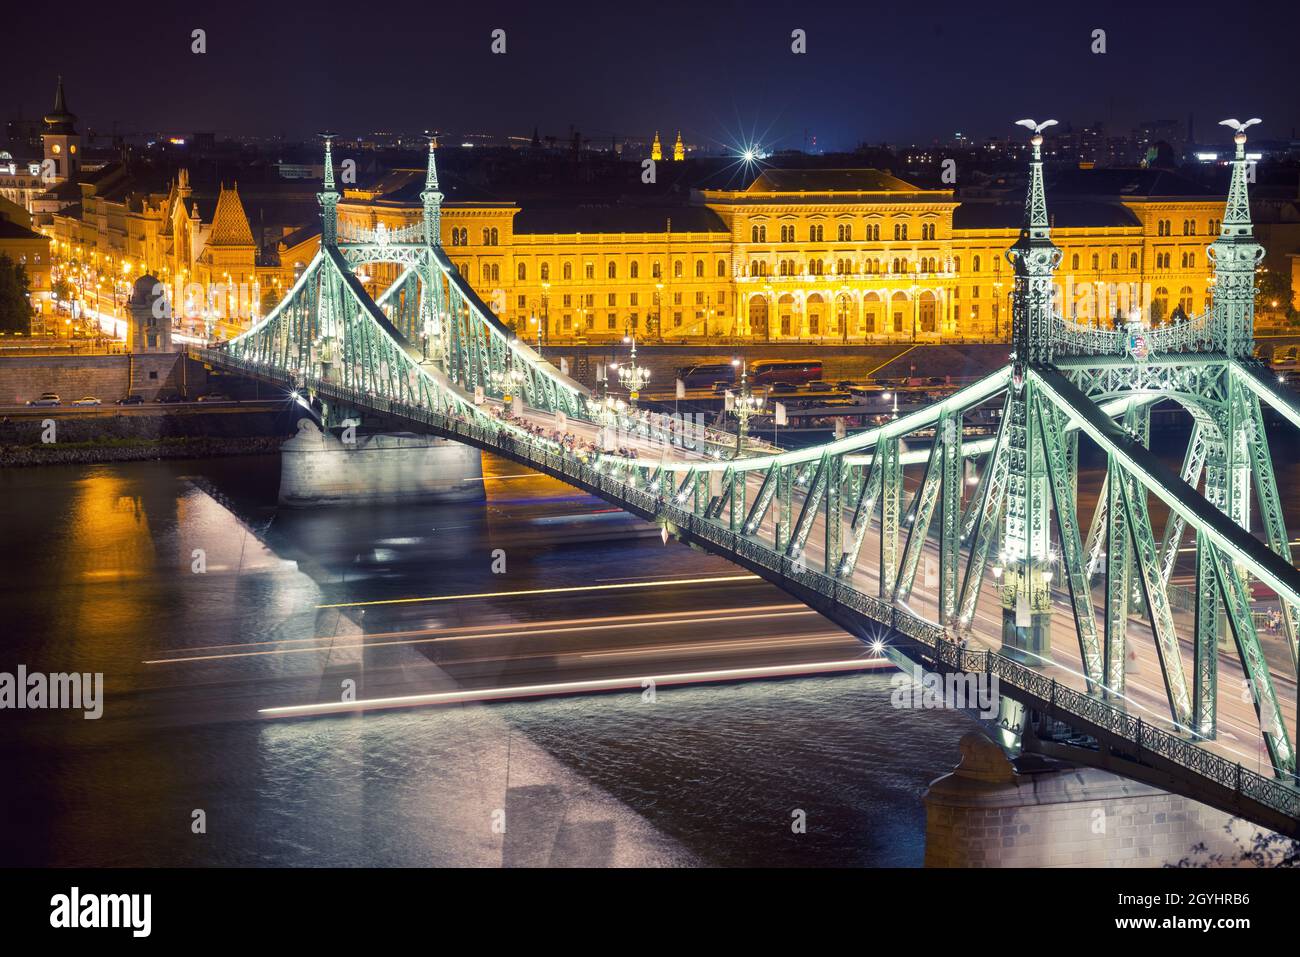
<point>820,255</point>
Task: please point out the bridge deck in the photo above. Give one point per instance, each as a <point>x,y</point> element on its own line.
<point>1231,772</point>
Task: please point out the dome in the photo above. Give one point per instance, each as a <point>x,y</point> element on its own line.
<point>146,289</point>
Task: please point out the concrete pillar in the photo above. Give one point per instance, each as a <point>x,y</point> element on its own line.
<point>319,468</point>
<point>1035,812</point>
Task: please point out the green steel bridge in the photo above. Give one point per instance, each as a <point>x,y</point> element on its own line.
<point>995,522</point>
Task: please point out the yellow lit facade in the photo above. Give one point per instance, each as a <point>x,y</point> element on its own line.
<point>814,256</point>
<point>818,256</point>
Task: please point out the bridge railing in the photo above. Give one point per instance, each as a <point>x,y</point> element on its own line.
<point>1142,736</point>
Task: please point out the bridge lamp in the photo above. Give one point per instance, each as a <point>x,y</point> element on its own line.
<point>997,572</point>
<point>878,648</point>
<point>1047,577</point>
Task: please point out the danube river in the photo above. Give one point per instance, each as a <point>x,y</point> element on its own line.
<point>202,603</point>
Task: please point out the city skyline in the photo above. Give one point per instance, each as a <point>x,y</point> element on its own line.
<point>915,79</point>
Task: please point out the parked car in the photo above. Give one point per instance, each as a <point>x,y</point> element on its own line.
<point>1285,356</point>
<point>783,387</point>
<point>214,397</point>
<point>47,398</point>
<point>131,400</point>
<point>87,400</point>
<point>170,398</point>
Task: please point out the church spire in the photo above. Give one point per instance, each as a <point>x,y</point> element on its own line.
<point>1235,254</point>
<point>432,199</point>
<point>328,198</point>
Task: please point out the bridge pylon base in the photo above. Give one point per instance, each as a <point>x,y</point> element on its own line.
<point>1038,812</point>
<point>329,468</point>
<point>1027,639</point>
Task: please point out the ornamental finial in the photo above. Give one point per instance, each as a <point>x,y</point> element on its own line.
<point>1036,224</point>
<point>329,161</point>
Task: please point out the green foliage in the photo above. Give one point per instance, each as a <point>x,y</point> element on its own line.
<point>1274,287</point>
<point>270,299</point>
<point>15,307</point>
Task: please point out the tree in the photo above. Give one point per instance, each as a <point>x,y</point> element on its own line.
<point>15,307</point>
<point>270,299</point>
<point>1273,294</point>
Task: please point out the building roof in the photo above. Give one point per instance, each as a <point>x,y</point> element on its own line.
<point>1064,214</point>
<point>229,223</point>
<point>300,235</point>
<point>619,219</point>
<point>60,120</point>
<point>12,230</point>
<point>828,181</point>
<point>1124,183</point>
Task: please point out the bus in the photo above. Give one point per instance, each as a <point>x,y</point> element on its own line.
<point>794,371</point>
<point>707,375</point>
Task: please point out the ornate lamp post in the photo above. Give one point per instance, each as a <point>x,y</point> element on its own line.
<point>633,377</point>
<point>745,404</point>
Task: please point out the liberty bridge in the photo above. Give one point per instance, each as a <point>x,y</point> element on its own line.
<point>1053,603</point>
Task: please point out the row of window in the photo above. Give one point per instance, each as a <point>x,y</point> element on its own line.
<point>611,270</point>
<point>460,236</point>
<point>1165,227</point>
<point>588,299</point>
<point>843,232</point>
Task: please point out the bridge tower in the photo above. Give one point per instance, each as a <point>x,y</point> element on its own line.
<point>1027,561</point>
<point>432,300</point>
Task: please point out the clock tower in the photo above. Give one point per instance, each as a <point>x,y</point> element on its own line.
<point>61,141</point>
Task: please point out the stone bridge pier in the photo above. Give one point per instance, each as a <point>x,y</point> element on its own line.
<point>1033,811</point>
<point>343,466</point>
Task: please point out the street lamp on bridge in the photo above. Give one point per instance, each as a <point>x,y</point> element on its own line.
<point>744,404</point>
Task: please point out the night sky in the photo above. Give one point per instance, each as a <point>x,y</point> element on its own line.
<point>720,71</point>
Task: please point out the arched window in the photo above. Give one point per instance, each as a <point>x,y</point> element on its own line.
<point>523,272</point>
<point>699,269</point>
<point>1132,260</point>
<point>656,271</point>
<point>589,270</point>
<point>677,269</point>
<point>722,269</point>
<point>975,264</point>
<point>1114,260</point>
<point>487,236</point>
<point>634,270</point>
<point>546,272</point>
<point>1096,262</point>
<point>1074,262</point>
<point>567,271</point>
<point>611,271</point>
<point>494,236</point>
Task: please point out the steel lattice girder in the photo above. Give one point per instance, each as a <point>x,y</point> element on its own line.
<point>1254,664</point>
<point>1058,472</point>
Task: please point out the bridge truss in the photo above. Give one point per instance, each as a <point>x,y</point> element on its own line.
<point>992,527</point>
